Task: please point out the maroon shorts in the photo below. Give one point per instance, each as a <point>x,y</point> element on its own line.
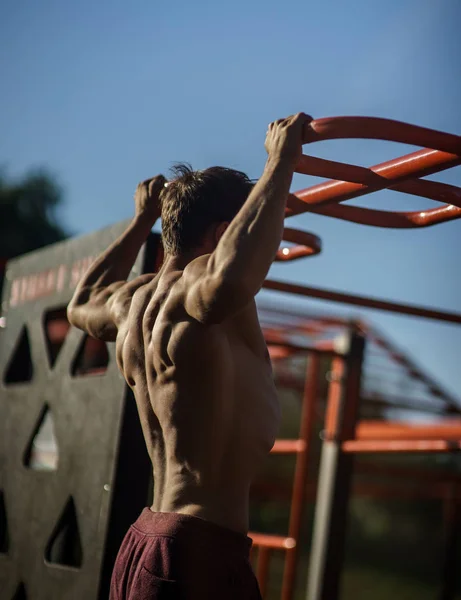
<point>180,557</point>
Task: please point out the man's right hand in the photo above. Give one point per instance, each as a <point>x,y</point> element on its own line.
<point>284,138</point>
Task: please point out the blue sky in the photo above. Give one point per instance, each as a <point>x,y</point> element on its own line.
<point>106,94</point>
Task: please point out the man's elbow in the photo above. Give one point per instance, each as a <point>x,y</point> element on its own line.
<point>74,314</point>
<point>78,306</point>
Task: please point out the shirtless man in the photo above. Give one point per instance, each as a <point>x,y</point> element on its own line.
<point>189,345</point>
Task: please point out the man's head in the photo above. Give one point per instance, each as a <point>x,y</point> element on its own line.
<point>198,205</point>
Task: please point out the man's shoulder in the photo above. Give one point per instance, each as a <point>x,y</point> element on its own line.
<point>196,268</point>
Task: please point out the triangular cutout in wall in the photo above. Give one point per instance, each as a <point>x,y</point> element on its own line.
<point>19,368</point>
<point>56,327</point>
<point>64,546</point>
<point>20,593</point>
<point>92,358</point>
<point>42,453</point>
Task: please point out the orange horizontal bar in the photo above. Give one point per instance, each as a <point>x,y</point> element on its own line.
<point>382,430</point>
<point>358,446</point>
<point>272,541</point>
<point>288,447</point>
<point>279,352</point>
<point>367,302</point>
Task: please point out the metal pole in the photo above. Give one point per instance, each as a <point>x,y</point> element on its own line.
<point>452,522</point>
<point>335,474</point>
<point>366,302</point>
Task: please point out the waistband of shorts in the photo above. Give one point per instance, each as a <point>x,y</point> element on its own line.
<point>185,527</point>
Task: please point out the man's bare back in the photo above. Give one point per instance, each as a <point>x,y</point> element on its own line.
<point>205,396</point>
<point>189,344</point>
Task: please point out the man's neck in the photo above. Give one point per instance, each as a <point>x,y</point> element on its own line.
<point>178,262</point>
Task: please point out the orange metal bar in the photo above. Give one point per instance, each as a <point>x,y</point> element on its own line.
<point>376,128</point>
<point>332,296</point>
<point>385,430</point>
<point>300,447</point>
<point>309,406</point>
<point>358,446</point>
<point>386,219</point>
<point>288,446</point>
<point>277,542</point>
<point>279,352</point>
<point>397,174</point>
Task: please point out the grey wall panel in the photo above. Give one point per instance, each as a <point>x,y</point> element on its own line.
<point>103,466</point>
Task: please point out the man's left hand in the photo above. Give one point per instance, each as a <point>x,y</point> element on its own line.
<point>147,197</point>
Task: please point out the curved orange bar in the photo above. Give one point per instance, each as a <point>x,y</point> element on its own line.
<point>398,174</point>
<point>392,220</point>
<point>401,174</point>
<point>376,128</point>
<point>308,244</point>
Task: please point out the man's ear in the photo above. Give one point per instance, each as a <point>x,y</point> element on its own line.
<point>220,229</point>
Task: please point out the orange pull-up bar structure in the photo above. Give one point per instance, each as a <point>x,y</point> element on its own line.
<point>441,151</point>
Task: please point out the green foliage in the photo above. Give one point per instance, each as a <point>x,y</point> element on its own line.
<point>28,209</point>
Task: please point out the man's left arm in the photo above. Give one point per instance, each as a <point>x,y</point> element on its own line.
<point>102,295</point>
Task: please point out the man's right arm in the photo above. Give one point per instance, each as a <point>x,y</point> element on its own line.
<point>237,268</point>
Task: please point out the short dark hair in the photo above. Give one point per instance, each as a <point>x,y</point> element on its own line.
<point>194,200</point>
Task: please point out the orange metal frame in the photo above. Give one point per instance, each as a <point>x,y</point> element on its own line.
<point>352,436</point>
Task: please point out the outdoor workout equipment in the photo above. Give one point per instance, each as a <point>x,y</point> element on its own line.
<point>442,151</point>
<point>348,431</point>
<point>60,529</point>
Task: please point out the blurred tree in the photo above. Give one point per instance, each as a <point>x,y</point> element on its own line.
<point>28,214</point>
<point>28,210</point>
